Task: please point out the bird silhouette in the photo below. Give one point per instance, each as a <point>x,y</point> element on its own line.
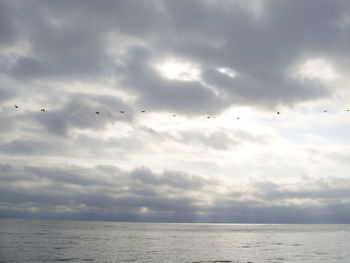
<point>42,110</point>
<point>121,111</point>
<point>325,111</point>
<point>174,115</point>
<point>16,106</point>
<point>278,112</point>
<point>208,117</point>
<point>143,111</point>
<point>97,113</point>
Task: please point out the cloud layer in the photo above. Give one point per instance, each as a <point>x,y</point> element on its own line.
<point>166,110</point>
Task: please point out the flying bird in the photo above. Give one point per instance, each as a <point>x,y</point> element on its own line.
<point>143,111</point>
<point>121,111</point>
<point>42,110</point>
<point>97,113</point>
<point>325,111</point>
<point>278,112</point>
<point>16,106</point>
<point>174,115</point>
<point>208,117</point>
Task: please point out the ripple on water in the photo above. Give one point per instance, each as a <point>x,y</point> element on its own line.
<point>220,261</point>
<point>63,259</point>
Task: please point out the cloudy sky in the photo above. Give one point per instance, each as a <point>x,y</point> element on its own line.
<point>181,61</point>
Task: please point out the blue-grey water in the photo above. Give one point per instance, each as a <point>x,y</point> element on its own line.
<point>77,241</point>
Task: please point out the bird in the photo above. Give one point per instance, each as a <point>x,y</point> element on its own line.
<point>237,118</point>
<point>16,106</point>
<point>97,112</point>
<point>143,111</point>
<point>42,110</point>
<point>174,115</point>
<point>325,111</point>
<point>278,112</point>
<point>121,111</point>
<point>208,117</point>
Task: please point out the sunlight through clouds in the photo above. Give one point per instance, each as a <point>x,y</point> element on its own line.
<point>189,109</point>
<point>178,69</point>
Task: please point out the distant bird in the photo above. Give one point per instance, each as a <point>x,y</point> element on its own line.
<point>174,115</point>
<point>237,118</point>
<point>325,111</point>
<point>208,117</point>
<point>16,106</point>
<point>121,111</point>
<point>143,111</point>
<point>97,112</point>
<point>42,110</point>
<point>278,112</point>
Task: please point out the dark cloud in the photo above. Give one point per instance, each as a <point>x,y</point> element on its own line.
<point>8,31</point>
<point>6,94</point>
<point>262,51</point>
<point>80,112</point>
<point>159,93</point>
<point>101,191</point>
<point>71,41</point>
<point>111,193</point>
<point>27,147</point>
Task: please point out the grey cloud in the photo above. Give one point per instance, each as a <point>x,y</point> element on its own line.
<point>168,178</point>
<point>6,94</point>
<point>67,45</point>
<point>45,43</point>
<point>62,175</point>
<point>7,26</point>
<point>79,112</point>
<point>28,147</point>
<point>324,189</point>
<point>66,50</point>
<point>260,52</point>
<point>69,40</point>
<point>101,192</point>
<point>160,93</point>
<point>110,178</point>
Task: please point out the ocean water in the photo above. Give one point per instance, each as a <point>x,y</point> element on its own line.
<point>77,241</point>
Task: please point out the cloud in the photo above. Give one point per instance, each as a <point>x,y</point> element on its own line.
<point>171,196</point>
<point>180,61</point>
<point>68,46</point>
<point>7,25</point>
<point>80,112</point>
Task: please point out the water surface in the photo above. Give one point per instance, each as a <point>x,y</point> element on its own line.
<point>77,241</point>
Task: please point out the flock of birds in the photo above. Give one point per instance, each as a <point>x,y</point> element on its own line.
<point>143,111</point>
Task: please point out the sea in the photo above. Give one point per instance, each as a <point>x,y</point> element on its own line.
<point>86,241</point>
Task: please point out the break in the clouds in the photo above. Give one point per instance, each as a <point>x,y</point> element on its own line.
<point>166,110</point>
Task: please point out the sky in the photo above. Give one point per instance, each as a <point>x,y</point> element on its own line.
<point>210,75</point>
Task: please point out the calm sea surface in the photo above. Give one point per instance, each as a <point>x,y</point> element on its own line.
<point>76,241</point>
